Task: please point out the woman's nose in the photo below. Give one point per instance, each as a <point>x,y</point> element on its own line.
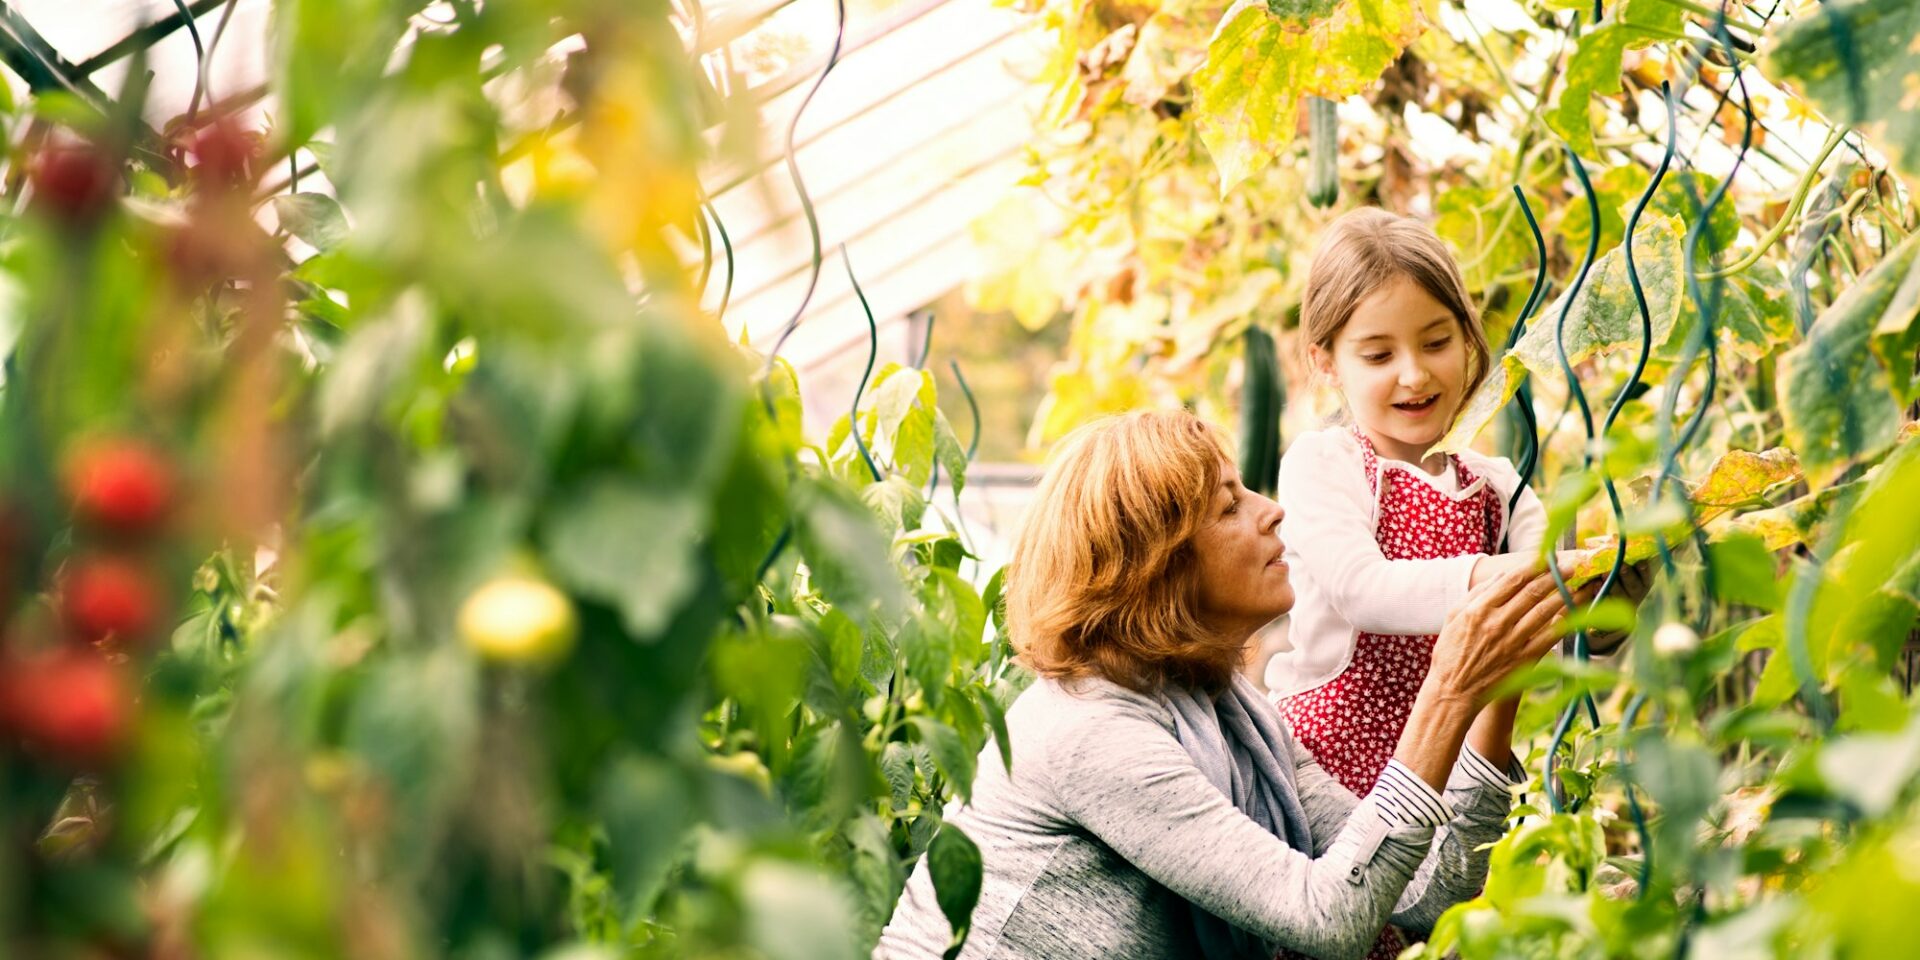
<point>1275,513</point>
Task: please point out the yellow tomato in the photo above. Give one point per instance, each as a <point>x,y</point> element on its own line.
<point>518,619</point>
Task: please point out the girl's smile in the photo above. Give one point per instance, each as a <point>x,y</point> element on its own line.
<point>1401,362</point>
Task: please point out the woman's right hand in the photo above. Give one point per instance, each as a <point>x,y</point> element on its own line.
<point>1506,623</point>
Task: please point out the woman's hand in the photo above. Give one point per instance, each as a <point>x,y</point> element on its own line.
<point>1505,624</point>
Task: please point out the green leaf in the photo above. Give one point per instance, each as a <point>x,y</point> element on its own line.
<point>929,645</point>
<point>901,418</point>
<point>830,774</point>
<point>896,501</point>
<point>959,606</point>
<point>1835,396</point>
<point>948,450</point>
<point>950,754</point>
<point>1856,60</point>
<point>1896,338</point>
<point>631,548</point>
<point>1267,54</point>
<point>997,720</point>
<point>1594,70</point>
<point>896,765</point>
<point>847,557</point>
<point>1871,769</point>
<point>1746,572</point>
<point>313,217</point>
<point>796,913</point>
<point>953,862</point>
<point>646,809</point>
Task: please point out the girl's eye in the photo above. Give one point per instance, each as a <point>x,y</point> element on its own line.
<point>1437,344</point>
<point>1374,357</point>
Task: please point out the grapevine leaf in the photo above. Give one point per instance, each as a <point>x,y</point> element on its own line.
<point>1267,54</point>
<point>1836,399</point>
<point>1856,60</point>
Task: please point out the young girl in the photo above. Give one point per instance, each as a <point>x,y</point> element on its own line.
<point>1382,538</point>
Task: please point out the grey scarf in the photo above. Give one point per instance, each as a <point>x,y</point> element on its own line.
<point>1236,741</point>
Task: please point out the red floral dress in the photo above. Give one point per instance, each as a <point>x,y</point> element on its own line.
<point>1352,723</point>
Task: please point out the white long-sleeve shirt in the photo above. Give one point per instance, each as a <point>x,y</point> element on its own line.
<point>1342,584</point>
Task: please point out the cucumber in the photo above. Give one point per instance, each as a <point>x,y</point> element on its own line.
<point>1261,398</point>
<point>1323,152</point>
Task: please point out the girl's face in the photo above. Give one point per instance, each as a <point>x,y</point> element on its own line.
<point>1401,363</point>
<point>1243,581</point>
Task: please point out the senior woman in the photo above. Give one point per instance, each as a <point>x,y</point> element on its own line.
<point>1157,806</point>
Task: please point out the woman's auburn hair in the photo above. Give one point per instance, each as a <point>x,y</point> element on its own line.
<point>1103,581</point>
<point>1364,250</point>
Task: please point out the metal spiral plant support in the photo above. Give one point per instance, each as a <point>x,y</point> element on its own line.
<point>1523,395</point>
<point>800,184</point>
<point>813,277</point>
<point>1575,394</point>
<point>873,351</point>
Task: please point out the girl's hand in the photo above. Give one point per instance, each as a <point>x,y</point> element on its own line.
<point>1492,568</point>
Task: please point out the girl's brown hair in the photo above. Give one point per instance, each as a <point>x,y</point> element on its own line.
<point>1364,250</point>
<point>1103,580</point>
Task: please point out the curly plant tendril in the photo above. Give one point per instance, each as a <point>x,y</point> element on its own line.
<point>873,350</point>
<point>800,184</point>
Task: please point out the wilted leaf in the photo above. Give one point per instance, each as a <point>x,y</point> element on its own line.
<point>1604,318</point>
<point>1857,61</point>
<point>1835,396</point>
<point>1594,70</point>
<point>1265,56</point>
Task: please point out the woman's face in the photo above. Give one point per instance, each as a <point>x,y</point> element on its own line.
<point>1243,580</point>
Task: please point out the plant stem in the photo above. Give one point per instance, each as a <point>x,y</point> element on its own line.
<point>1779,228</point>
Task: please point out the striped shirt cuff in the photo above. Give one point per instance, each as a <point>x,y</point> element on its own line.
<point>1475,770</point>
<point>1405,800</point>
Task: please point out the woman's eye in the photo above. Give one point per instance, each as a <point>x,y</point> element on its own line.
<point>1233,507</point>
